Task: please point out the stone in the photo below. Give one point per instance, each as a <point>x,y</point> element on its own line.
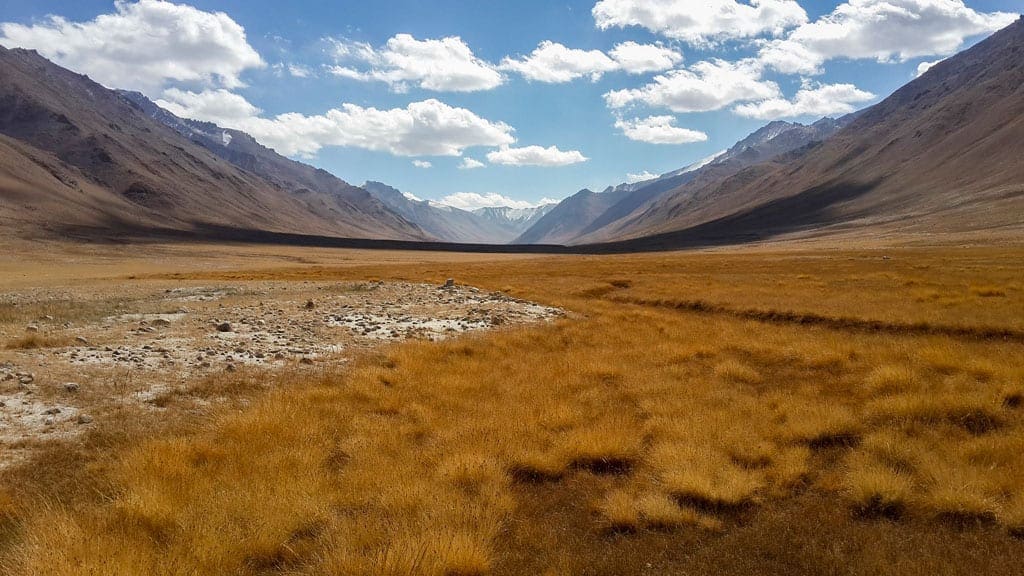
<point>306,361</point>
<point>72,387</point>
<point>81,340</point>
<point>310,305</point>
<point>224,327</point>
<point>449,283</point>
<point>84,419</point>
<point>51,411</point>
<point>161,322</point>
<point>31,328</point>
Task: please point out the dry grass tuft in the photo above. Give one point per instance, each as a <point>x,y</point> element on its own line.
<point>736,371</point>
<point>876,490</point>
<point>988,291</point>
<point>35,340</point>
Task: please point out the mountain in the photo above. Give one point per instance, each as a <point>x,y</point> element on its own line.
<point>442,222</point>
<point>941,155</point>
<point>108,167</point>
<point>564,222</point>
<point>590,217</point>
<point>513,221</point>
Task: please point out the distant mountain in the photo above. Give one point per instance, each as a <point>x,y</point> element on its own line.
<point>940,156</point>
<point>513,221</point>
<point>567,220</point>
<point>442,222</point>
<point>590,217</point>
<point>75,154</point>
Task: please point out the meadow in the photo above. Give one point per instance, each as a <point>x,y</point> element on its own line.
<point>800,411</point>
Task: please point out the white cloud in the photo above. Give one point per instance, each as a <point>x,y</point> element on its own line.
<point>822,100</point>
<point>426,128</point>
<point>535,156</point>
<point>704,22</point>
<point>641,177</point>
<point>705,86</point>
<point>422,164</point>
<point>470,164</point>
<point>444,65</point>
<point>473,200</point>
<point>658,130</point>
<point>926,66</point>
<point>641,58</point>
<point>554,63</point>
<point>143,45</point>
<point>220,106</point>
<point>883,30</point>
<point>299,71</point>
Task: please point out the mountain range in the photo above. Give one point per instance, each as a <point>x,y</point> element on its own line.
<point>939,157</point>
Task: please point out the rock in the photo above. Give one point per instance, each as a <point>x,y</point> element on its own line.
<point>84,419</point>
<point>306,361</point>
<point>224,327</point>
<point>231,368</point>
<point>449,283</point>
<point>81,340</point>
<point>31,328</point>
<point>71,387</point>
<point>163,322</point>
<point>51,411</point>
<point>48,422</point>
<point>310,305</point>
<point>24,378</point>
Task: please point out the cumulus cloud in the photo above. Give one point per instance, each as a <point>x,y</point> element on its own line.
<point>143,45</point>
<point>470,164</point>
<point>704,86</point>
<point>883,30</point>
<point>426,128</point>
<point>422,164</point>
<point>701,23</point>
<point>820,100</point>
<point>443,65</point>
<point>220,106</point>
<point>473,200</point>
<point>641,58</point>
<point>641,177</point>
<point>535,156</point>
<point>553,63</point>
<point>926,66</point>
<point>658,130</point>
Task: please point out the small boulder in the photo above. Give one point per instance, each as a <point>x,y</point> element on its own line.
<point>449,283</point>
<point>84,419</point>
<point>224,327</point>
<point>71,387</point>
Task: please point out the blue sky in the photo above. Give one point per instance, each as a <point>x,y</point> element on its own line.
<point>586,110</point>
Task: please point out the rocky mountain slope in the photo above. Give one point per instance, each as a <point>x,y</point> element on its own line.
<point>941,155</point>
<point>113,169</point>
<point>594,217</point>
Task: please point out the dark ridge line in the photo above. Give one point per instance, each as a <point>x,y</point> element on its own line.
<point>841,323</point>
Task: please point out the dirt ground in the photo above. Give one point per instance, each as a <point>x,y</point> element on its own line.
<point>72,353</point>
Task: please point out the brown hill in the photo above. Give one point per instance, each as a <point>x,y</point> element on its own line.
<point>941,155</point>
<point>136,171</point>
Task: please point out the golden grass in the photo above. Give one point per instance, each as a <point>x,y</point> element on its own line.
<point>35,341</point>
<point>418,460</point>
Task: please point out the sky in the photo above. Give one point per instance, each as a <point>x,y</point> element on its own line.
<point>478,103</point>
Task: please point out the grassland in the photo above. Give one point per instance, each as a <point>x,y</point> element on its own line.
<point>799,412</point>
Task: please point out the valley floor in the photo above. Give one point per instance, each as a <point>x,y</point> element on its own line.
<point>793,409</point>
